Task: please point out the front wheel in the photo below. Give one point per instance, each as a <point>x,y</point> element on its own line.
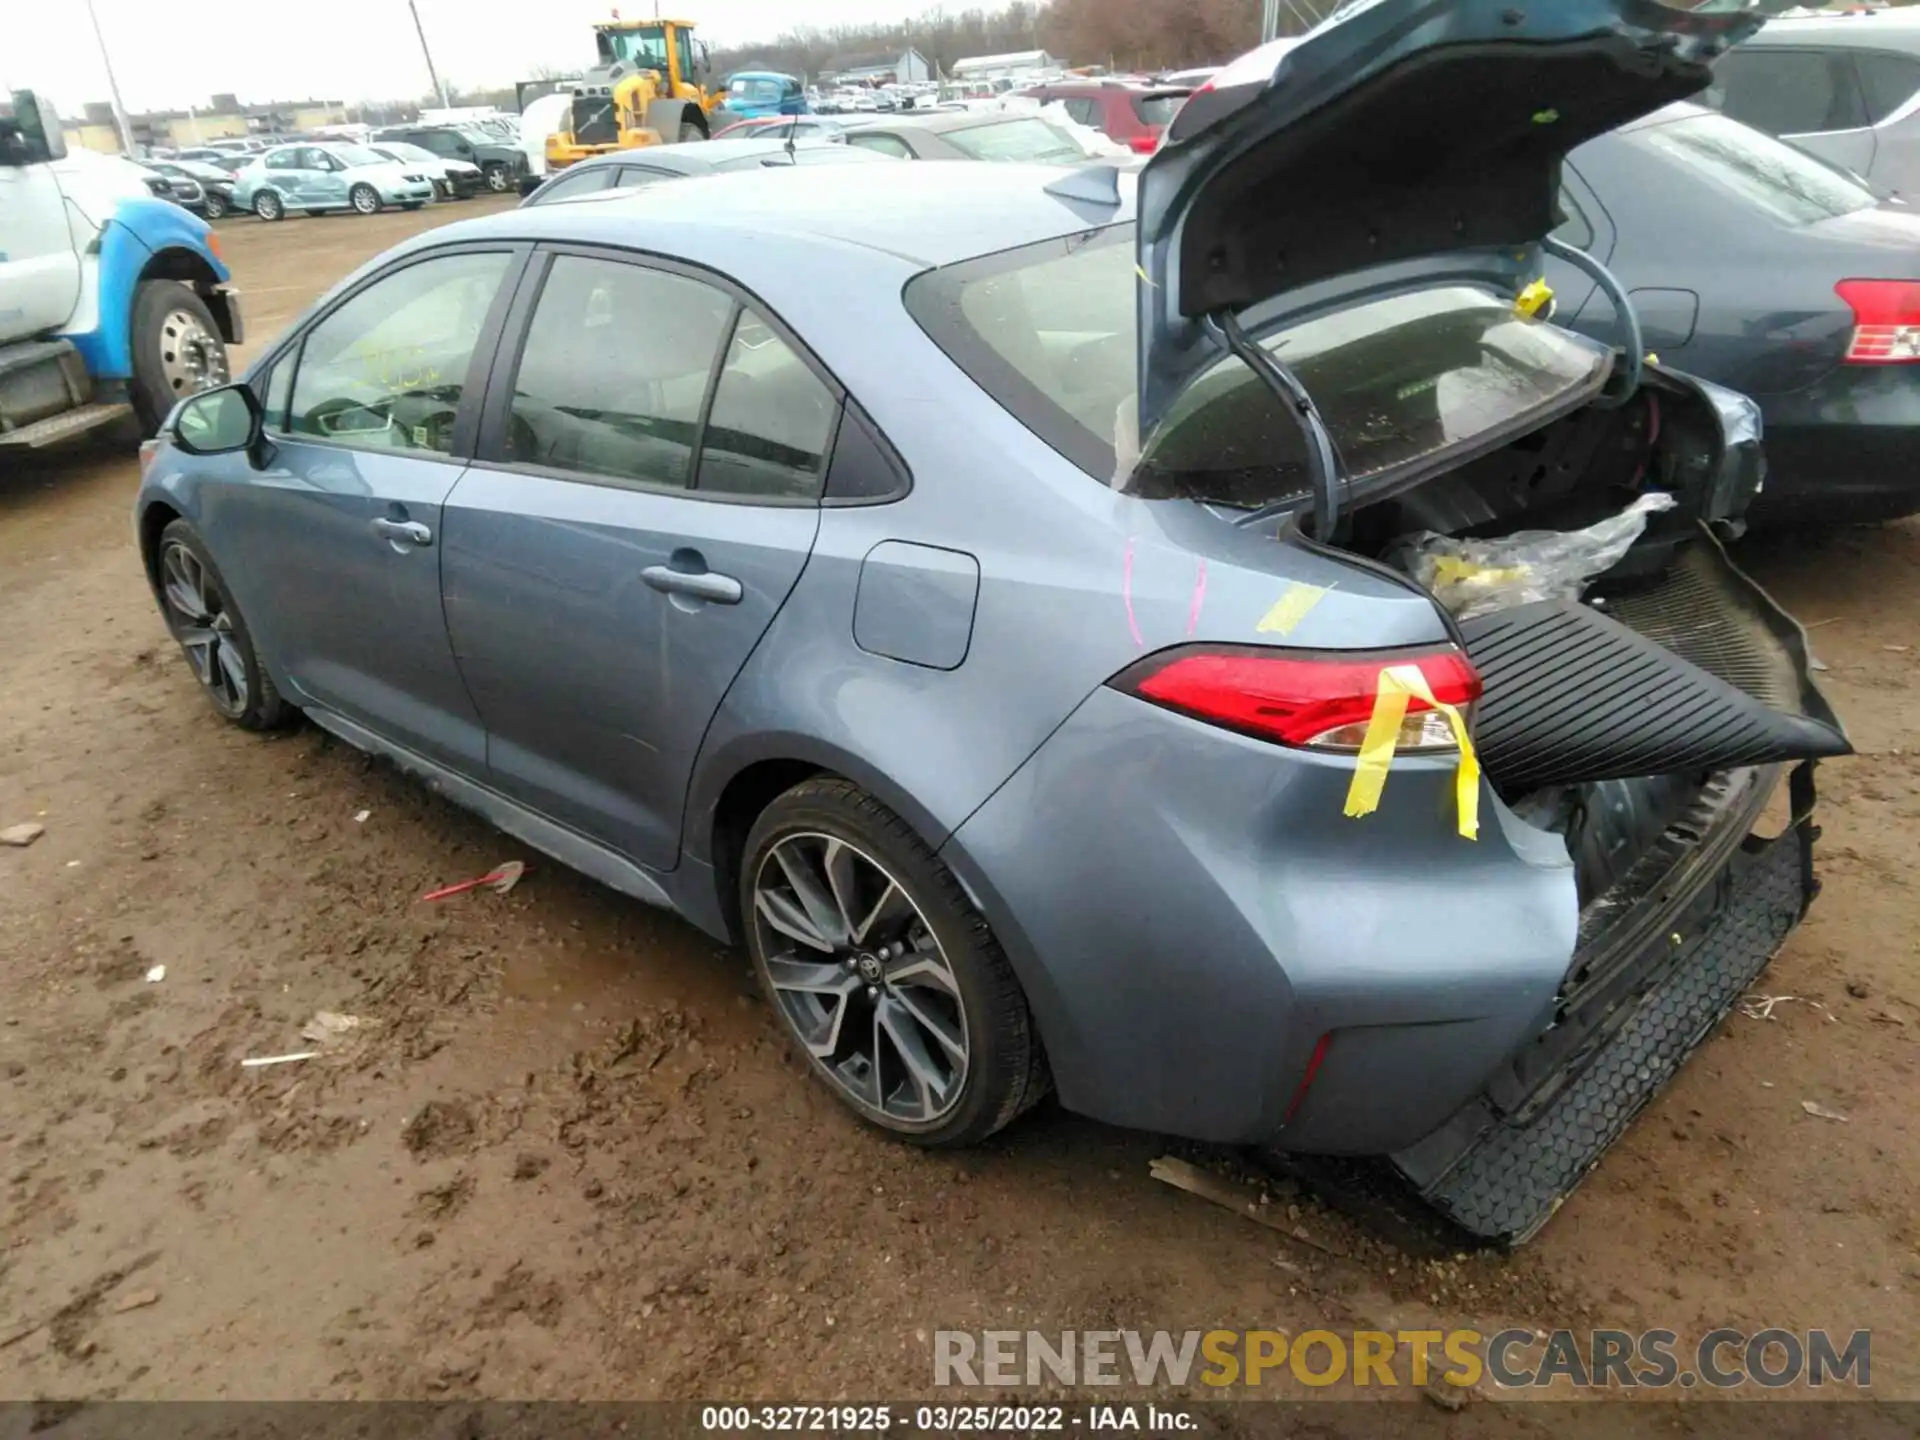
<point>882,973</point>
<point>498,180</point>
<point>268,207</point>
<point>177,350</point>
<point>200,612</point>
<point>364,199</point>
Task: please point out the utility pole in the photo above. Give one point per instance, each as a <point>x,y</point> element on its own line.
<point>113,85</point>
<point>438,88</point>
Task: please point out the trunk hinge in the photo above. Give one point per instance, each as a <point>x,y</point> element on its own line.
<point>1323,463</point>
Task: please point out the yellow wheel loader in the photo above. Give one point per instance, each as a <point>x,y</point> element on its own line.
<point>645,90</point>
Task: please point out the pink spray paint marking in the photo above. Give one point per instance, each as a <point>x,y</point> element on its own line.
<point>1199,598</point>
<point>1126,594</point>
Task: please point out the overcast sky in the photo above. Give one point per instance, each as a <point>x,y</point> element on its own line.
<point>169,55</point>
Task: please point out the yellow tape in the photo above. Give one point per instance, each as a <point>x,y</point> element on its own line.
<point>1290,609</point>
<point>1400,684</point>
<point>1532,300</point>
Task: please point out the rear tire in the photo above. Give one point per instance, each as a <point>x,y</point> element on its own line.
<point>177,350</point>
<point>914,951</point>
<point>268,206</point>
<point>364,199</point>
<point>201,615</point>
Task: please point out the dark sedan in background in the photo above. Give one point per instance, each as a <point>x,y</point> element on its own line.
<point>629,169</point>
<point>1755,265</point>
<point>202,188</point>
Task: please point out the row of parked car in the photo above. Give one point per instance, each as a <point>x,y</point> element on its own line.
<point>404,165</point>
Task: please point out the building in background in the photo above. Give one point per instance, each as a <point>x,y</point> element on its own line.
<point>910,68</point>
<point>223,118</point>
<point>1022,67</point>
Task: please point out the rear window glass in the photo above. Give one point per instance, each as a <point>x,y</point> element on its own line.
<point>1050,330</point>
<point>1781,179</point>
<point>1157,109</point>
<point>1018,140</point>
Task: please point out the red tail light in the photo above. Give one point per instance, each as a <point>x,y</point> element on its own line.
<point>1301,699</point>
<point>1886,317</point>
<point>1145,144</point>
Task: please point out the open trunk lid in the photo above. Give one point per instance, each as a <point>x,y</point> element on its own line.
<point>1410,128</point>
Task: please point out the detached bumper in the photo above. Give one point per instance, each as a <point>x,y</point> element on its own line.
<point>1501,1166</point>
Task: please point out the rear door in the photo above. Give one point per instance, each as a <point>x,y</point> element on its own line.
<point>1810,96</point>
<point>339,535</point>
<point>644,497</point>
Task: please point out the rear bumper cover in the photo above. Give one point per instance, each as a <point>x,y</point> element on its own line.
<point>1500,1167</point>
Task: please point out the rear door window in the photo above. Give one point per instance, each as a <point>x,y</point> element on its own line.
<point>771,423</point>
<point>1888,81</point>
<point>1083,111</point>
<point>615,371</point>
<point>1157,109</point>
<point>1791,92</point>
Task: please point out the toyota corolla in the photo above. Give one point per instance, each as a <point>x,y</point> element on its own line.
<point>979,591</point>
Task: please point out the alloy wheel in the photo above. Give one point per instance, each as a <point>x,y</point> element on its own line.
<point>365,200</point>
<point>267,205</point>
<point>192,358</point>
<point>201,620</point>
<point>860,977</point>
<point>498,179</point>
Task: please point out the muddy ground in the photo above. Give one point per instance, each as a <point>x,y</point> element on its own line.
<point>564,1156</point>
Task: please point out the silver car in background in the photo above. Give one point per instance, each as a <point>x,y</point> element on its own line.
<point>317,177</point>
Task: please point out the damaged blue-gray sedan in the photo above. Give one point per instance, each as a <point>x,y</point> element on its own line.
<point>1207,645</point>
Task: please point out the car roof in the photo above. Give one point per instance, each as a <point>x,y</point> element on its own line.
<point>1865,30</point>
<point>940,122</point>
<point>929,215</point>
<point>694,157</point>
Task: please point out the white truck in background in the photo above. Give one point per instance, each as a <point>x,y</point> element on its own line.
<point>112,303</point>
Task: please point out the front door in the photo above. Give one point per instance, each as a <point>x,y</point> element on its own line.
<point>39,268</point>
<point>626,537</point>
<point>323,179</point>
<point>340,534</point>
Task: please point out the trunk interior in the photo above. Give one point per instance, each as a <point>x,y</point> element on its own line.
<point>1638,721</point>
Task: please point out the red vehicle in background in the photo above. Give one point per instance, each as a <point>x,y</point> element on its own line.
<point>1129,113</point>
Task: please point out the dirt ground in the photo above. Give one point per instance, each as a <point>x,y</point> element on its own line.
<point>565,1156</point>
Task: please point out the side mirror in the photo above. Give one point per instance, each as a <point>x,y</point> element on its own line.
<point>221,422</point>
<point>35,136</point>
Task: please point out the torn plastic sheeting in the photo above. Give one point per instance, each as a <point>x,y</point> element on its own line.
<point>1481,577</point>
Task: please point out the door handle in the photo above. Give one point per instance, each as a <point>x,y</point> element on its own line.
<point>403,532</point>
<point>700,584</point>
